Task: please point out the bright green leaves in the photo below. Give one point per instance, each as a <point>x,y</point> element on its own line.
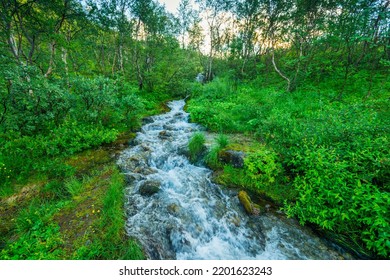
<point>39,237</point>
<point>262,166</point>
<point>332,194</point>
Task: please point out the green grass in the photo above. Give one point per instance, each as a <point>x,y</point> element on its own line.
<point>74,186</point>
<point>80,219</point>
<point>107,239</point>
<point>38,236</point>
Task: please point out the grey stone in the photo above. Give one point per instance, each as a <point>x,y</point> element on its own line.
<point>147,120</point>
<point>149,188</point>
<point>235,158</point>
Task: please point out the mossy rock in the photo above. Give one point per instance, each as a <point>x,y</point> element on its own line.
<point>165,135</point>
<point>250,207</point>
<point>235,158</point>
<point>173,208</point>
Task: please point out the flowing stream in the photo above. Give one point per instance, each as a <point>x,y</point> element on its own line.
<point>176,212</point>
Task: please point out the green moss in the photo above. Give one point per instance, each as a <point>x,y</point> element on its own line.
<point>246,202</point>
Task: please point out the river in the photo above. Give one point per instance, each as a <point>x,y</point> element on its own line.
<point>176,212</point>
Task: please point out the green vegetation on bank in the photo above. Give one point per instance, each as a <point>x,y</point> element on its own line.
<point>326,160</point>
<point>74,215</point>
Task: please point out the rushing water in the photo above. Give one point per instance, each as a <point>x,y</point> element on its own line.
<point>176,212</point>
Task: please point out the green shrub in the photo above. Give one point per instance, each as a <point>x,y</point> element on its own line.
<point>42,243</point>
<point>333,194</point>
<point>262,166</point>
<point>5,178</point>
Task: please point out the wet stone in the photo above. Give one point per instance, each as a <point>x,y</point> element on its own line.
<point>171,127</point>
<point>132,177</point>
<point>164,135</point>
<point>135,161</point>
<point>235,158</point>
<point>145,148</point>
<point>149,188</point>
<point>144,170</point>
<point>179,115</point>
<point>147,120</point>
<point>173,208</point>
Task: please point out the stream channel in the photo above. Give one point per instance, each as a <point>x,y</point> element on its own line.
<point>176,212</point>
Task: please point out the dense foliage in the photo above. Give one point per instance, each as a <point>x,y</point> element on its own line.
<point>306,81</point>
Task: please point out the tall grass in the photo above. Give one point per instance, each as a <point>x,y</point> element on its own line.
<point>196,146</point>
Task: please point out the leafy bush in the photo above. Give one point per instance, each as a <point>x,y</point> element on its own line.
<point>42,243</point>
<point>33,104</point>
<point>5,174</point>
<point>334,195</point>
<point>262,166</point>
<point>27,154</point>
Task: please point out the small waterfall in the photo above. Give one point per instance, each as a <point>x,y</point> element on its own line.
<point>176,212</point>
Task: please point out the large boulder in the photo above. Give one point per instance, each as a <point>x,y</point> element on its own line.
<point>235,158</point>
<point>149,188</point>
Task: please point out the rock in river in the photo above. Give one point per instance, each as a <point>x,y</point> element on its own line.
<point>149,188</point>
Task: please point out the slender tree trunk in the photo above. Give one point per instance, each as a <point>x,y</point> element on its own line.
<point>65,60</point>
<point>114,63</point>
<point>136,58</point>
<point>121,59</point>
<point>13,46</point>
<point>52,47</point>
<point>209,74</point>
<point>280,72</point>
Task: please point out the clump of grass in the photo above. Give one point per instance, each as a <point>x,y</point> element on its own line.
<point>196,146</point>
<point>222,141</point>
<point>73,186</point>
<point>212,158</point>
